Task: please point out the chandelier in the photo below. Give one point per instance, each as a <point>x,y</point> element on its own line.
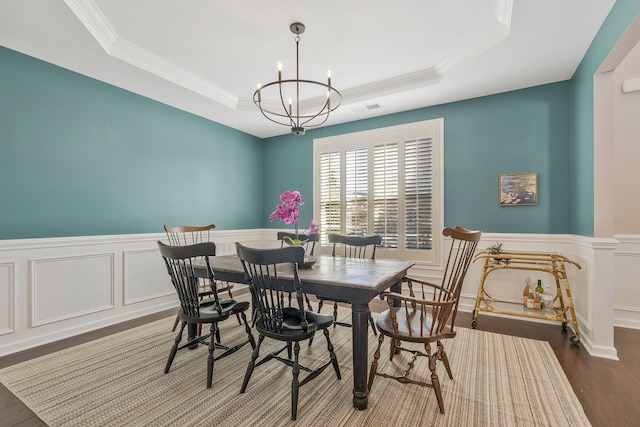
<point>319,100</point>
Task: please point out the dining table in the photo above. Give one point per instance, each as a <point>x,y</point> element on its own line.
<point>355,281</point>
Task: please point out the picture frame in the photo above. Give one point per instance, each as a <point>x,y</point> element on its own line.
<point>518,189</point>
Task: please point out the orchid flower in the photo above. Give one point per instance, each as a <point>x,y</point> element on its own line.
<point>313,228</point>
<point>288,211</point>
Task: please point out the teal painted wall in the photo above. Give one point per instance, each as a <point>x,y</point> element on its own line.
<point>582,137</point>
<point>81,157</point>
<point>514,132</point>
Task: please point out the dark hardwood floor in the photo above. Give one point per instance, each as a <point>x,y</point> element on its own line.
<point>608,390</point>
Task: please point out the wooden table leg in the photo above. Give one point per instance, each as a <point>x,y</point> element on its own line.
<point>360,344</point>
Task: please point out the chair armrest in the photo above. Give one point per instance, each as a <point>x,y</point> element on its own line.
<point>410,281</point>
<point>416,317</point>
<point>414,300</point>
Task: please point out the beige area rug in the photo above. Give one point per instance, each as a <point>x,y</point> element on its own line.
<point>119,381</point>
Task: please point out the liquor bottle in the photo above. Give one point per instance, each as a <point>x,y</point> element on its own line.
<point>525,293</point>
<point>539,288</point>
<point>531,299</point>
<point>547,298</point>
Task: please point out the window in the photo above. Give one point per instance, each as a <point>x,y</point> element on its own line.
<point>384,181</point>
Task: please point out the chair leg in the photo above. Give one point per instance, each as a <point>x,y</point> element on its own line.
<point>320,303</point>
<point>175,324</point>
<point>435,380</point>
<point>392,348</point>
<point>174,348</point>
<point>254,317</point>
<point>374,364</point>
<point>445,360</point>
<point>248,330</point>
<point>373,324</point>
<point>295,384</point>
<point>214,328</point>
<point>308,302</point>
<point>252,364</point>
<point>332,355</point>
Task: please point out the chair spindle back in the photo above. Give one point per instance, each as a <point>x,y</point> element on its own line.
<point>183,235</point>
<point>355,246</point>
<point>310,240</point>
<point>180,262</point>
<point>442,301</point>
<point>270,295</point>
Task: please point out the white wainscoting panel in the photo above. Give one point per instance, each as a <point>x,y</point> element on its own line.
<point>7,298</point>
<point>581,289</point>
<point>56,288</point>
<point>596,320</point>
<point>627,282</point>
<point>71,286</point>
<point>145,276</point>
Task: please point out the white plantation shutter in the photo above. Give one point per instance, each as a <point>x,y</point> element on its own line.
<point>385,193</point>
<point>330,173</point>
<point>387,182</point>
<point>356,192</point>
<point>418,190</point>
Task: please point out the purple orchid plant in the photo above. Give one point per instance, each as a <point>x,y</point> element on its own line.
<point>288,211</point>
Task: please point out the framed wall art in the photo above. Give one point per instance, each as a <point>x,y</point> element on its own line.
<point>519,189</point>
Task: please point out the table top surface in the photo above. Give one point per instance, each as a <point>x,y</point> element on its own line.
<point>347,272</point>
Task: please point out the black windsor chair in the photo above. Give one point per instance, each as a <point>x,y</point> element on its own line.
<point>182,264</point>
<point>278,320</point>
<point>183,235</point>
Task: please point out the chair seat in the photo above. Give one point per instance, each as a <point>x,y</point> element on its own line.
<point>209,314</point>
<point>292,326</point>
<point>228,304</point>
<point>409,326</point>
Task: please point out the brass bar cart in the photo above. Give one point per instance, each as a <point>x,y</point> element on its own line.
<point>560,310</point>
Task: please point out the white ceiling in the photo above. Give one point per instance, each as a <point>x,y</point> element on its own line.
<point>206,56</point>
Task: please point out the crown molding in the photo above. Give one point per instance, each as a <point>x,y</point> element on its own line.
<point>101,30</point>
<point>490,35</point>
<point>94,21</point>
<point>98,26</point>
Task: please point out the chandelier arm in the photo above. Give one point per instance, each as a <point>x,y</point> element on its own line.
<point>336,100</point>
<point>284,106</point>
<point>264,111</point>
<point>319,113</point>
<point>270,119</point>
